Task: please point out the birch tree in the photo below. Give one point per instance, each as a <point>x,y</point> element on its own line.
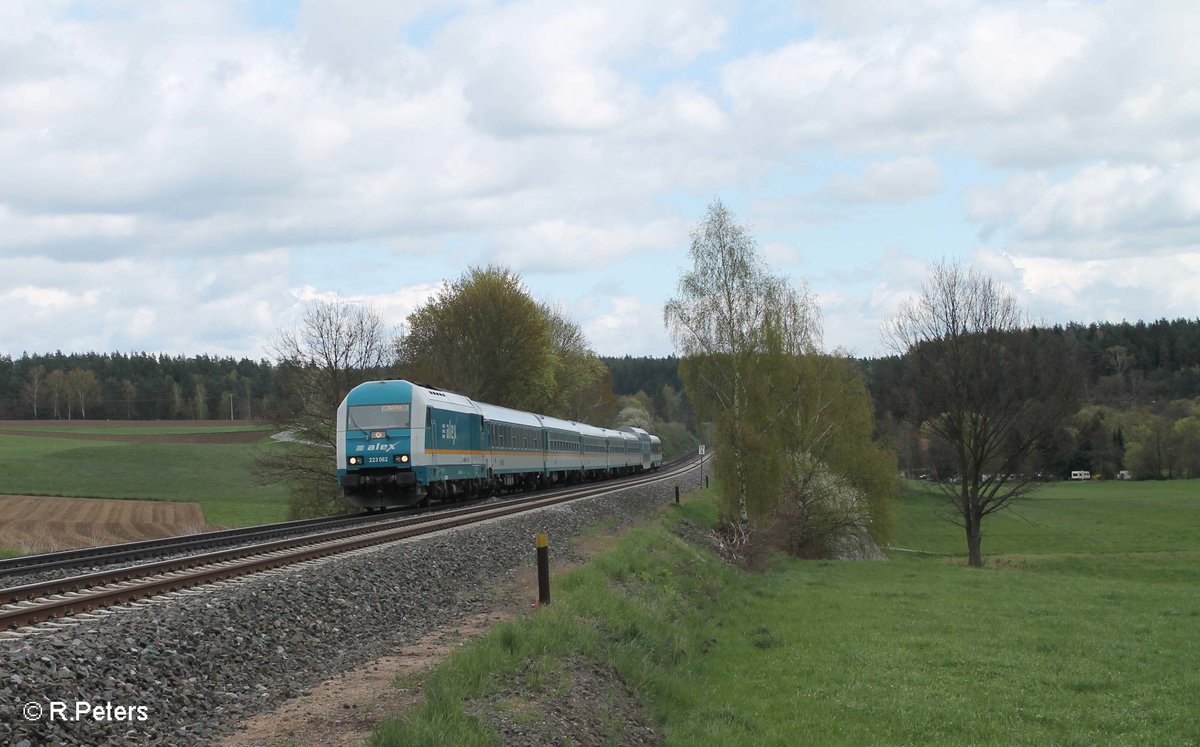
<point>729,320</point>
<point>56,384</point>
<point>33,387</point>
<point>83,387</point>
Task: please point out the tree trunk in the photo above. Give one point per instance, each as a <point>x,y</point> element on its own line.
<point>974,539</point>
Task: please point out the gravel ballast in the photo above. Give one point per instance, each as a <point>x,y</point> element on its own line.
<point>186,669</point>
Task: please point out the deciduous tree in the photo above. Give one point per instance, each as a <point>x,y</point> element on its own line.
<point>988,387</point>
<point>128,396</point>
<point>484,336</point>
<point>56,384</point>
<point>729,318</point>
<point>33,387</point>
<point>84,388</point>
<point>337,345</point>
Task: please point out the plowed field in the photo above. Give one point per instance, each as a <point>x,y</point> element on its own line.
<point>36,524</point>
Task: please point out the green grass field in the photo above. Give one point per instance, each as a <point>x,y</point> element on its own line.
<point>221,477</point>
<point>1085,629</point>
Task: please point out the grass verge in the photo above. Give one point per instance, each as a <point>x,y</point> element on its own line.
<point>672,645</point>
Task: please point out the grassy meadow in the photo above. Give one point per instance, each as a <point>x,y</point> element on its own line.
<point>219,476</point>
<point>1084,629</point>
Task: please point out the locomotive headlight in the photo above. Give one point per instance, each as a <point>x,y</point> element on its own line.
<point>400,459</point>
<point>355,460</point>
<point>378,434</point>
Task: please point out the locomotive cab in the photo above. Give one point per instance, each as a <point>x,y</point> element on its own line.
<point>375,458</point>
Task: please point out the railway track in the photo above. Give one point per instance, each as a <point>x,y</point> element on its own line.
<point>32,603</point>
<point>127,552</point>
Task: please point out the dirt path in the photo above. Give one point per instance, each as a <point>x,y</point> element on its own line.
<point>41,524</point>
<point>344,710</point>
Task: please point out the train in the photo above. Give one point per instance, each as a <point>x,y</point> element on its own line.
<point>401,443</point>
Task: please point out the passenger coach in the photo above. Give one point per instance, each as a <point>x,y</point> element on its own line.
<point>400,443</point>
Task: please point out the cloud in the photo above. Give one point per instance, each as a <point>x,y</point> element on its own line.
<point>560,246</point>
<point>1116,289</point>
<point>1101,210</point>
<point>220,306</point>
<point>776,254</point>
<point>631,326</point>
<point>163,145</point>
<point>394,307</point>
<point>899,181</point>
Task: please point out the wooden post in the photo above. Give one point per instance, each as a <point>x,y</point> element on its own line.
<point>543,568</point>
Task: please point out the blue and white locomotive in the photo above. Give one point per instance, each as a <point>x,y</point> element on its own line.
<point>400,443</point>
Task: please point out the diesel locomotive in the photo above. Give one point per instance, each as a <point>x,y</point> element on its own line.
<point>401,443</point>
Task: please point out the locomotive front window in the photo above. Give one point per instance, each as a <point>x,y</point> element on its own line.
<point>378,417</point>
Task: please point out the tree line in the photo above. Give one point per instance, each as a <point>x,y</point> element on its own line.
<point>136,386</point>
<point>1138,412</point>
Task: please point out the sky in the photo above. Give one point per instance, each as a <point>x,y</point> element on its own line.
<point>184,177</point>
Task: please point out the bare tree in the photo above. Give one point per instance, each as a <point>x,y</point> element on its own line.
<point>336,346</point>
<point>988,387</point>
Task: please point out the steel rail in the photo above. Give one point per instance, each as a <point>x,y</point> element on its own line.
<point>133,551</point>
<point>38,602</point>
<point>179,543</point>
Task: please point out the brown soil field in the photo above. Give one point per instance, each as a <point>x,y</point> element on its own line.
<point>65,429</point>
<point>41,524</point>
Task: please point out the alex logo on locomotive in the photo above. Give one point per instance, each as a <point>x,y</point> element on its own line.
<point>375,447</point>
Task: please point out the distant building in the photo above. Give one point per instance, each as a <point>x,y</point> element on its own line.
<point>1081,474</point>
<point>1124,475</point>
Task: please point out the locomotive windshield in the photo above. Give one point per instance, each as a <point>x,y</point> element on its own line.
<point>378,417</point>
